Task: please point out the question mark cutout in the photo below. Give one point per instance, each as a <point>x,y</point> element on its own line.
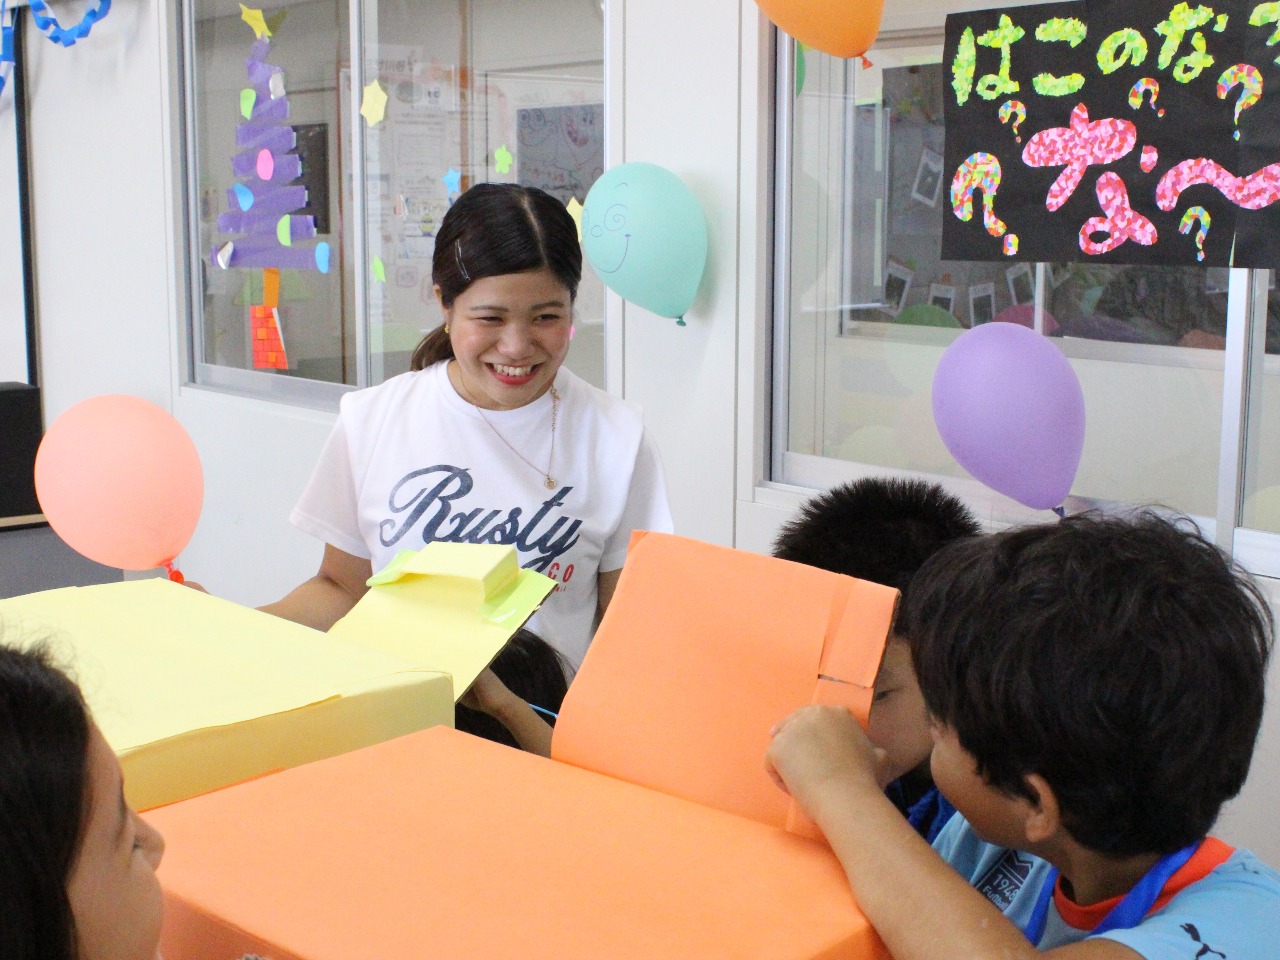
<point>1017,110</point>
<point>1191,216</point>
<point>981,172</point>
<point>1250,82</point>
<point>1141,87</point>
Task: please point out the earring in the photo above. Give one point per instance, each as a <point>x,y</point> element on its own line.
<point>446,329</point>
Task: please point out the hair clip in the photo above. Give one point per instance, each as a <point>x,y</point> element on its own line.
<point>457,254</point>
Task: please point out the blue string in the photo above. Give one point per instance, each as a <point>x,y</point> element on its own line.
<point>553,716</point>
<point>62,35</point>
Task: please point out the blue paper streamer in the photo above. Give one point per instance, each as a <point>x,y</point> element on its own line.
<point>67,37</point>
<point>6,43</point>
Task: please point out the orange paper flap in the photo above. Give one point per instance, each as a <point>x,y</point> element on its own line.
<point>702,651</point>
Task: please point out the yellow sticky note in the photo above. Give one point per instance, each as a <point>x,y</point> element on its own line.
<point>254,18</point>
<point>575,211</point>
<point>373,106</point>
<point>195,693</point>
<point>449,607</point>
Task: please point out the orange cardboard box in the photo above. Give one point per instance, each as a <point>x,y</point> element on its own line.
<point>653,832</point>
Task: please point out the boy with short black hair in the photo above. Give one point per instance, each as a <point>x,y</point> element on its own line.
<point>1096,688</point>
<point>883,530</point>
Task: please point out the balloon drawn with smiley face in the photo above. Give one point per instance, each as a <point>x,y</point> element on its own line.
<point>645,235</point>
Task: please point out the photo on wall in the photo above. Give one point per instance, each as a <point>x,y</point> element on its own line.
<point>942,295</point>
<point>897,284</point>
<point>1022,288</point>
<point>982,303</point>
<point>928,183</point>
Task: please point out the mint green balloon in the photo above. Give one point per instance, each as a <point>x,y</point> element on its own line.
<point>645,235</point>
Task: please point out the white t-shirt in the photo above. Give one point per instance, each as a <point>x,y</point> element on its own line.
<point>410,462</point>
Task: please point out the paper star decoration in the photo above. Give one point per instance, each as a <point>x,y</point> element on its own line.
<point>253,17</point>
<point>373,107</point>
<point>575,211</point>
<point>502,159</point>
<point>452,181</point>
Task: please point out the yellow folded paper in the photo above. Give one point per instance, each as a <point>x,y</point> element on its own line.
<point>195,692</point>
<point>448,606</point>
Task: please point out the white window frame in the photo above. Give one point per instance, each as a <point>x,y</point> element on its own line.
<point>781,480</point>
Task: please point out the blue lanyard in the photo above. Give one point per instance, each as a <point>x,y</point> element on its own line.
<point>1128,912</point>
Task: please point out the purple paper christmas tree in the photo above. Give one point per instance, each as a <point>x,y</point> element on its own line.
<point>261,206</point>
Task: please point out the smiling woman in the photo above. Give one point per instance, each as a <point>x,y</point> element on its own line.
<point>488,439</point>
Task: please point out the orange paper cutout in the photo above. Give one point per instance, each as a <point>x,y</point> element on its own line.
<point>271,287</point>
<point>442,844</point>
<point>669,844</point>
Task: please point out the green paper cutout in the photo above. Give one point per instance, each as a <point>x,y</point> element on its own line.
<point>1128,43</point>
<point>1263,14</point>
<point>1183,19</point>
<point>1059,30</point>
<point>801,67</point>
<point>248,97</point>
<point>379,271</point>
<point>992,86</point>
<point>502,159</point>
<point>963,67</point>
<point>282,231</point>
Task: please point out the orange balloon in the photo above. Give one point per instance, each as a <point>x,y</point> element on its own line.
<point>120,481</point>
<point>842,29</point>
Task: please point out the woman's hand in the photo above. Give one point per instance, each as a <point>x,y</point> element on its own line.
<point>821,755</point>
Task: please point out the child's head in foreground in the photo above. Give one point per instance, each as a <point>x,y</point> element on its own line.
<point>1119,661</point>
<point>77,868</point>
<point>883,530</point>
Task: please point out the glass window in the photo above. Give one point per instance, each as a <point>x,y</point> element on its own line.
<point>865,305</point>
<point>317,182</point>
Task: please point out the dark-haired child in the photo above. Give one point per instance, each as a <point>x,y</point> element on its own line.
<point>1096,688</point>
<point>500,705</point>
<point>78,870</point>
<point>883,530</point>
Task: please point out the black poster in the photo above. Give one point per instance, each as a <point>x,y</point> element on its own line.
<point>1116,131</point>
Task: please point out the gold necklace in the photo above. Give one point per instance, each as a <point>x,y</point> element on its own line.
<point>549,483</point>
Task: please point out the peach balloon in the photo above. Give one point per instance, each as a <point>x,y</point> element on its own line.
<point>841,29</point>
<point>119,480</point>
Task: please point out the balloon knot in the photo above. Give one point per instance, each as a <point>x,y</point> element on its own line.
<point>1061,512</point>
<point>174,573</point>
<point>680,322</point>
<point>866,62</point>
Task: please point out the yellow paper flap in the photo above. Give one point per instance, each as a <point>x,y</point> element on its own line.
<point>450,607</point>
<point>492,566</point>
<point>156,659</point>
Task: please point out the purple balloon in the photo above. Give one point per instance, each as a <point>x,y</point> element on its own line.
<point>1010,409</point>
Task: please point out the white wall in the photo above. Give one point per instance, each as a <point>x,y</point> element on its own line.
<point>694,100</point>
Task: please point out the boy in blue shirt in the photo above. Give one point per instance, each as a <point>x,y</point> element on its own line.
<point>1096,688</point>
<point>883,530</point>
